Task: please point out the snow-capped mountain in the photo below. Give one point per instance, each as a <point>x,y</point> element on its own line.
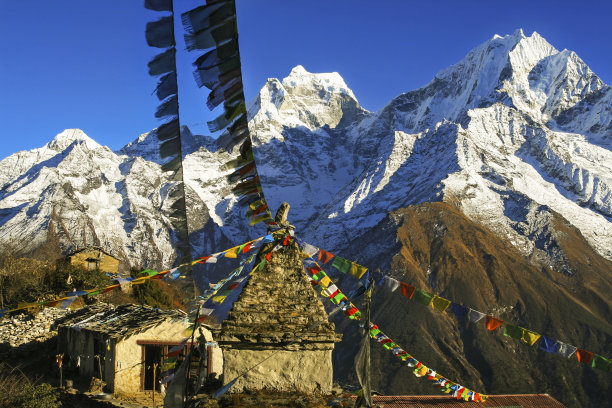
<point>512,134</point>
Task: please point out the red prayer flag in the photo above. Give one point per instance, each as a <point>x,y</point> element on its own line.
<point>233,286</point>
<point>287,240</point>
<point>325,256</point>
<point>314,270</point>
<point>246,248</point>
<point>584,356</point>
<point>268,256</point>
<point>493,323</point>
<point>407,290</point>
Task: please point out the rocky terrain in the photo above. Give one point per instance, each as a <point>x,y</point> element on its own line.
<point>25,328</point>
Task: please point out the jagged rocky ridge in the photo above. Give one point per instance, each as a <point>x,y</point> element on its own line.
<point>511,134</point>
<point>514,142</point>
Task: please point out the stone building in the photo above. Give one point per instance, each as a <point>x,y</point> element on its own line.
<point>122,344</point>
<point>93,258</point>
<point>278,321</point>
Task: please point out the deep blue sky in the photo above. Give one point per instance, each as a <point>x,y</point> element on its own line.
<point>82,63</point>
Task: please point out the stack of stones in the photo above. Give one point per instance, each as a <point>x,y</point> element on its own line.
<point>24,328</point>
<point>280,322</point>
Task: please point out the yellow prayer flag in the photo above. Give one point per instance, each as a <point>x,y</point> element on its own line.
<point>232,253</point>
<point>440,303</point>
<point>357,270</point>
<point>325,281</point>
<point>218,299</point>
<point>530,337</point>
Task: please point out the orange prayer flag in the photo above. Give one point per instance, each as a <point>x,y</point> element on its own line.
<point>493,323</point>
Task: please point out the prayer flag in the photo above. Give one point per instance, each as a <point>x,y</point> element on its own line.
<point>493,323</point>
<point>325,256</point>
<point>357,270</point>
<point>584,356</point>
<point>440,303</point>
<point>309,250</point>
<point>407,290</point>
<point>391,284</point>
<point>566,350</point>
<point>423,297</point>
<point>67,302</point>
<point>530,337</point>
<point>475,316</point>
<point>232,253</point>
<point>219,298</point>
<point>459,310</point>
<point>513,331</point>
<point>341,264</point>
<point>549,345</point>
<point>325,281</point>
<point>601,363</point>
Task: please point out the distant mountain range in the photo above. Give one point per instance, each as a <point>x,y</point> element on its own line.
<point>492,184</point>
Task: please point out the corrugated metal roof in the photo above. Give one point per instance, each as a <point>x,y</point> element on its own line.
<point>118,321</point>
<point>443,401</point>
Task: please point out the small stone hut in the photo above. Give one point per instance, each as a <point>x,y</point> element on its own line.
<point>279,325</point>
<point>122,344</point>
<point>93,258</point>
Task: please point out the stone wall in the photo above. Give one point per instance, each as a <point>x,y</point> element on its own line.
<point>279,313</point>
<point>307,371</point>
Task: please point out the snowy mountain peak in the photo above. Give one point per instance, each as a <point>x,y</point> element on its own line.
<point>329,82</point>
<point>68,137</point>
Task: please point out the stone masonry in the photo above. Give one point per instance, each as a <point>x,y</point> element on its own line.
<point>278,321</point>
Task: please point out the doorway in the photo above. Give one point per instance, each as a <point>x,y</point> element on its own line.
<point>152,362</point>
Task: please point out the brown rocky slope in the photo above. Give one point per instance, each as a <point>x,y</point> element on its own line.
<point>435,247</point>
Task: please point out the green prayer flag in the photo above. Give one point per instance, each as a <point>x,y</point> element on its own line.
<point>601,363</point>
<point>513,331</point>
<point>341,264</point>
<point>423,297</point>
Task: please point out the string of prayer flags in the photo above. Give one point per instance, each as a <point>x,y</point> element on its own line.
<point>213,27</point>
<point>440,303</point>
<point>584,356</point>
<point>423,297</point>
<point>343,265</point>
<point>323,284</point>
<point>160,34</point>
<point>493,323</point>
<point>421,370</point>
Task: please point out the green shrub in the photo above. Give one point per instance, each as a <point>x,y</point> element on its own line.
<point>16,390</point>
